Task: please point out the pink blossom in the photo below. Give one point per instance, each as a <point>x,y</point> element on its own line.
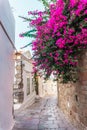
<point>21,35</point>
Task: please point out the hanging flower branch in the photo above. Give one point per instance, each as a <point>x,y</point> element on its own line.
<point>60,38</point>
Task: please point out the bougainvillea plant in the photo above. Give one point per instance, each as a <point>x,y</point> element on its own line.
<point>61,33</point>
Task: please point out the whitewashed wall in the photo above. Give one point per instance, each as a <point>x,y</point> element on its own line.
<point>40,86</point>
<point>27,74</point>
<point>6,65</point>
<point>48,87</point>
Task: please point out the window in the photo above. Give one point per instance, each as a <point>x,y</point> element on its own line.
<point>28,86</point>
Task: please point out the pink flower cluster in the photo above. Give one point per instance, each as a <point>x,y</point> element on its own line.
<point>61,37</point>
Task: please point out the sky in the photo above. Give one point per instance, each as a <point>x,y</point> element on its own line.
<point>21,8</point>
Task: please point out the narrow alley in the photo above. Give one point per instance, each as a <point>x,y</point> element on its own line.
<point>44,114</point>
<point>43,65</point>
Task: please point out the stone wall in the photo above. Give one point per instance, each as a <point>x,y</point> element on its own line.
<point>73,97</point>
<point>82,92</point>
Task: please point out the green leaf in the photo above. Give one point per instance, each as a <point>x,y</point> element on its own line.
<point>27,34</point>
<point>33,30</point>
<point>26,19</point>
<point>26,46</point>
<point>45,3</point>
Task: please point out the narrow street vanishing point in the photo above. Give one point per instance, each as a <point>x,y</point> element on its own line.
<point>44,114</point>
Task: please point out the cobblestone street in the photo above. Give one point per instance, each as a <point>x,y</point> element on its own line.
<point>42,115</point>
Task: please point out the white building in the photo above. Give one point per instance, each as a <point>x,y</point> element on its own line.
<point>7,37</point>
<point>46,87</point>
<point>50,87</point>
<point>41,86</point>
<point>24,90</point>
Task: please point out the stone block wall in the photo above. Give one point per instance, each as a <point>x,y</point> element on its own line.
<point>82,92</point>
<point>73,97</point>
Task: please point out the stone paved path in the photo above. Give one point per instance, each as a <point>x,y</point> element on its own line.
<point>42,115</point>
